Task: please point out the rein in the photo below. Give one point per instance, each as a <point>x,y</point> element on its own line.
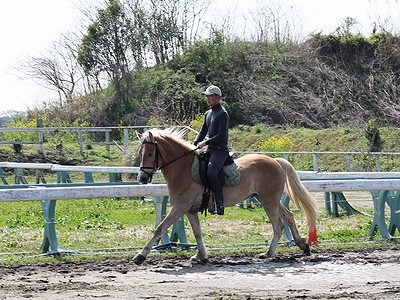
<point>155,166</point>
<point>185,154</point>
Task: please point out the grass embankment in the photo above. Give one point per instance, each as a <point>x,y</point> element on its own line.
<point>105,226</point>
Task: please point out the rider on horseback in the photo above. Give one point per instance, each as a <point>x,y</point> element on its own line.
<point>215,123</point>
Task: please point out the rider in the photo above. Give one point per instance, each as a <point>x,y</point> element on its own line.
<point>215,123</point>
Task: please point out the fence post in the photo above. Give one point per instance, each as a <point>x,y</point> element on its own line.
<point>347,160</point>
<point>315,162</point>
<point>19,176</point>
<point>378,162</point>
<point>178,228</point>
<point>39,124</point>
<point>378,222</point>
<point>394,204</point>
<point>159,203</point>
<point>63,177</point>
<point>81,142</point>
<point>328,206</point>
<point>88,177</point>
<point>126,141</point>
<point>3,177</point>
<point>108,144</point>
<point>50,235</point>
<point>335,200</point>
<point>287,235</point>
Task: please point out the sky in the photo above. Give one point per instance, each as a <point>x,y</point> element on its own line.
<point>28,28</point>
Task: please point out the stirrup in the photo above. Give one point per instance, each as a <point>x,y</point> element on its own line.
<point>213,209</point>
<point>217,209</point>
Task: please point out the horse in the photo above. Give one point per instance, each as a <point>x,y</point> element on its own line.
<point>261,176</point>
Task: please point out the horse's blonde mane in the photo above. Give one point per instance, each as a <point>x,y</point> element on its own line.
<point>177,134</point>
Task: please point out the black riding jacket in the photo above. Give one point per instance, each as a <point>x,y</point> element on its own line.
<point>216,121</point>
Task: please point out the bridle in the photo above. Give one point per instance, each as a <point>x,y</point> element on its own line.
<point>153,169</point>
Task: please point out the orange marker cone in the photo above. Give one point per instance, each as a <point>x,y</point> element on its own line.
<point>312,237</point>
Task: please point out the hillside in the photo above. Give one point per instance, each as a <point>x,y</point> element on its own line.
<point>329,81</point>
<point>140,64</point>
<point>325,82</point>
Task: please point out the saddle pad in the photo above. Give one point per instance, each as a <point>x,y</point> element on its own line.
<point>232,173</point>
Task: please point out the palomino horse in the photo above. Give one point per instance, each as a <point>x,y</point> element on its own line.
<point>261,176</point>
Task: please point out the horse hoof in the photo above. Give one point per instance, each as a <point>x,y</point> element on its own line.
<point>265,255</point>
<point>195,259</point>
<point>307,250</point>
<point>139,259</point>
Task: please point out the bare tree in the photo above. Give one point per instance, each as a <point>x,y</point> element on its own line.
<point>163,28</point>
<point>191,14</point>
<point>57,70</point>
<point>276,22</point>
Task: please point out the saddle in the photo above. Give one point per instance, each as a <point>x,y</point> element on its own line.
<point>229,175</point>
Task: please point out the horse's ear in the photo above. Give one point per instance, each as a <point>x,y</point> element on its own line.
<point>151,137</point>
<point>138,134</point>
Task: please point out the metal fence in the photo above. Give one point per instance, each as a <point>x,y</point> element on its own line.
<point>100,136</point>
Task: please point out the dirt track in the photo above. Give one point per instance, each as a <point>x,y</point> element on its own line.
<point>324,275</point>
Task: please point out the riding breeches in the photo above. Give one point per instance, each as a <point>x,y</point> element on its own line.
<point>215,165</point>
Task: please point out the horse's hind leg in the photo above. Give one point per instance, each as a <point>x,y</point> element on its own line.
<point>287,216</point>
<point>277,227</point>
<point>201,254</point>
<point>172,216</point>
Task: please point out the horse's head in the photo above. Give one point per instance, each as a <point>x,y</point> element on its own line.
<point>159,149</point>
<point>149,154</point>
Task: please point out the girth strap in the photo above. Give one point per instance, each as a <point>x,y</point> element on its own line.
<point>204,201</point>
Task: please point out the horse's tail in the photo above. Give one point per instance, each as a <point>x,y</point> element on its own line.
<point>299,194</point>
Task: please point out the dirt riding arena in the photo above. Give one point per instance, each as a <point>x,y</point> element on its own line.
<point>366,274</point>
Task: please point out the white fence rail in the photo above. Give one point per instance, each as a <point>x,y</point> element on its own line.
<point>110,191</point>
<point>82,192</point>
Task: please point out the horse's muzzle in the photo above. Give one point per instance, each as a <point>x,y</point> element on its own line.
<point>143,177</point>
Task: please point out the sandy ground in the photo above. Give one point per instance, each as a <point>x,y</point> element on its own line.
<point>366,274</point>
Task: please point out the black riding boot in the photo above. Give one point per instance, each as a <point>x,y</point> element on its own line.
<point>218,207</point>
<point>219,203</point>
<point>219,199</point>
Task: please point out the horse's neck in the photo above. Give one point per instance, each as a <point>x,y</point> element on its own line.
<point>178,162</point>
<point>173,152</point>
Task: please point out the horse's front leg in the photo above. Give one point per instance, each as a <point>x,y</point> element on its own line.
<point>201,254</point>
<point>170,219</point>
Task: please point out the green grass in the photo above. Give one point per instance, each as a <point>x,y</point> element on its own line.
<point>107,226</point>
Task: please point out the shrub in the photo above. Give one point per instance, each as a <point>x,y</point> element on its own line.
<point>276,144</point>
<point>21,122</point>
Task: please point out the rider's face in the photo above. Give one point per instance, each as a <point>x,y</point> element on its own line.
<point>212,100</point>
